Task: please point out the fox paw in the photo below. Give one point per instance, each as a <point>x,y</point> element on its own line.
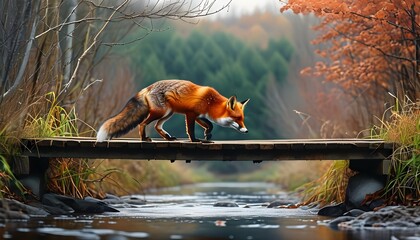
<point>207,136</point>
<point>169,137</point>
<point>201,140</point>
<point>146,139</point>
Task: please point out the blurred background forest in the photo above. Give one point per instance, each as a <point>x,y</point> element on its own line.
<point>69,65</point>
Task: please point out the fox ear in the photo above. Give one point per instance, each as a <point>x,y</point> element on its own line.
<point>231,103</point>
<point>244,103</point>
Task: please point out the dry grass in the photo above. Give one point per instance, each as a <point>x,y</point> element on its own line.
<point>403,127</point>
<point>288,174</point>
<point>292,175</point>
<point>330,187</point>
<point>72,177</point>
<point>133,177</point>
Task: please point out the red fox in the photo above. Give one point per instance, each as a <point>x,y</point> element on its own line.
<point>162,99</point>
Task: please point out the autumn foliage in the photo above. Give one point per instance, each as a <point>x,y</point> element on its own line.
<point>372,48</point>
<point>374,45</point>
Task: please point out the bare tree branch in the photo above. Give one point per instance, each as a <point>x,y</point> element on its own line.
<point>95,40</point>
<point>174,10</point>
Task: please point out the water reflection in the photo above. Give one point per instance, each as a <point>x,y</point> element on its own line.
<point>188,213</point>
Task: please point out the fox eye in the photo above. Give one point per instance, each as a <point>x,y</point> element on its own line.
<point>236,119</point>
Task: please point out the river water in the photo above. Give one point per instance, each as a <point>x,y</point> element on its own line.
<point>188,212</point>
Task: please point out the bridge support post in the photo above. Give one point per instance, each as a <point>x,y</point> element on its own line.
<point>368,166</point>
<point>370,179</point>
<point>35,180</point>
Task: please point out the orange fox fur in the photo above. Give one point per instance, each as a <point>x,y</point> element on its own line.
<point>162,99</point>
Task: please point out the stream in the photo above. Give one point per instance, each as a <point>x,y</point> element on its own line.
<point>189,212</point>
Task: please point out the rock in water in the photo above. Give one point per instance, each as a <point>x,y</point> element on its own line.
<point>354,213</point>
<point>388,217</point>
<point>53,200</point>
<point>12,209</point>
<point>277,203</point>
<point>96,205</point>
<point>334,223</point>
<point>225,204</point>
<point>70,204</point>
<point>359,186</point>
<point>333,210</point>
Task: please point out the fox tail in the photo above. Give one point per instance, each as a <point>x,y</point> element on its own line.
<point>134,112</point>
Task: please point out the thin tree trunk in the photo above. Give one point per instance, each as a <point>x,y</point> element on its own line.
<point>69,41</point>
<point>19,77</point>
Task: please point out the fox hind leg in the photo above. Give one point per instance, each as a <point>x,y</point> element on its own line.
<point>142,133</point>
<point>142,126</point>
<point>159,127</point>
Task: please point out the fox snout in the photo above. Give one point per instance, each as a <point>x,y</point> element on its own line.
<point>236,126</point>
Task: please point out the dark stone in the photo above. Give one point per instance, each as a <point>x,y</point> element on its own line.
<point>333,210</point>
<point>55,200</point>
<point>50,209</point>
<point>112,199</point>
<point>110,196</point>
<point>277,203</point>
<point>9,214</point>
<point>375,203</point>
<point>135,202</point>
<point>403,223</point>
<point>12,209</point>
<point>354,213</point>
<point>70,204</point>
<point>334,223</point>
<point>225,204</point>
<point>387,217</point>
<point>30,210</point>
<point>358,187</point>
<point>361,185</point>
<point>93,204</point>
<point>131,198</point>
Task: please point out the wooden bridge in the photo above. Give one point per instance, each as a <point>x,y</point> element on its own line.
<point>240,150</point>
<point>365,155</point>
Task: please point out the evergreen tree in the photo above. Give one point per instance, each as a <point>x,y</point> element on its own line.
<point>151,71</point>
<point>252,61</point>
<point>279,66</point>
<point>219,60</point>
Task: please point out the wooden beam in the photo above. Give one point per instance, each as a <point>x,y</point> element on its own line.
<point>240,150</point>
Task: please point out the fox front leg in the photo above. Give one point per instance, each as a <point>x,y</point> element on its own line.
<point>208,127</point>
<point>190,122</point>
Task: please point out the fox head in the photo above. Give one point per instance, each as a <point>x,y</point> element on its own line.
<point>233,115</point>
